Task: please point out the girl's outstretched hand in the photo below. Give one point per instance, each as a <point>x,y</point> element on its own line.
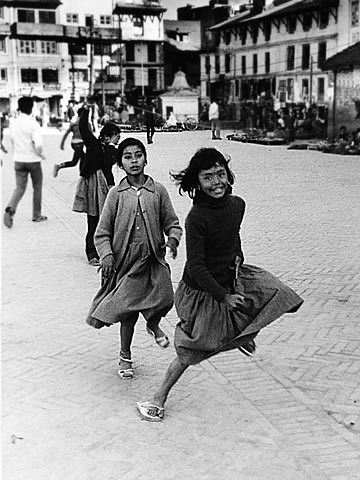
<point>107,266</point>
<point>234,301</point>
<point>172,244</point>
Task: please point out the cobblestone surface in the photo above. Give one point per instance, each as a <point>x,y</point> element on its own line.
<point>291,412</point>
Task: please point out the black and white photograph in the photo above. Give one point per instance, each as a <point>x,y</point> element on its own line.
<point>180,239</point>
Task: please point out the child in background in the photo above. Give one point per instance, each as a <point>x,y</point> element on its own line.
<point>77,144</point>
<point>131,244</point>
<point>221,302</point>
<point>96,176</point>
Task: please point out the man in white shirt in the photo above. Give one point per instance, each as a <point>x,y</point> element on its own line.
<point>27,145</point>
<point>214,120</point>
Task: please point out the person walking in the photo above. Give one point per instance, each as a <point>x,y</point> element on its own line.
<point>130,240</point>
<point>96,176</point>
<point>77,144</point>
<point>214,120</point>
<point>222,303</point>
<point>27,143</point>
<point>149,121</point>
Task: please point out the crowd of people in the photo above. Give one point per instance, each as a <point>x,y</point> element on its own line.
<point>222,302</point>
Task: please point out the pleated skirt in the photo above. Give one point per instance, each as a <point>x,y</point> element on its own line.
<point>90,194</point>
<point>207,327</point>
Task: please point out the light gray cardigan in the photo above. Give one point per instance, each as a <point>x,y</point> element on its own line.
<point>118,216</point>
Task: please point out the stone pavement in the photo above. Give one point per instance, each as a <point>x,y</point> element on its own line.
<point>290,413</point>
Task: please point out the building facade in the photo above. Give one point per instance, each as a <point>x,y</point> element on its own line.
<point>62,51</point>
<point>277,54</point>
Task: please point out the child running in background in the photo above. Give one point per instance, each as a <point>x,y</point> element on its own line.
<point>221,302</point>
<point>96,176</point>
<point>131,244</point>
<point>77,144</point>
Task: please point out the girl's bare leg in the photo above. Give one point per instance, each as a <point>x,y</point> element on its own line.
<point>126,335</point>
<point>172,375</point>
<point>153,325</point>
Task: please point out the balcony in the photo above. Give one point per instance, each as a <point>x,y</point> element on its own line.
<point>83,34</point>
<point>35,31</point>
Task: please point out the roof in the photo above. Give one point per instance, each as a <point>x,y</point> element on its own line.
<point>346,58</point>
<point>287,8</point>
<point>150,8</point>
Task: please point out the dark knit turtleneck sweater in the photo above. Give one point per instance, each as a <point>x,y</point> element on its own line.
<point>212,243</point>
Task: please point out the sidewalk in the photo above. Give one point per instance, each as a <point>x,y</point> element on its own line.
<point>290,413</point>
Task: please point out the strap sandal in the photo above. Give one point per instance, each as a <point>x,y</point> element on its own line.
<point>40,218</point>
<point>127,372</point>
<point>162,342</point>
<point>150,412</point>
<point>248,349</point>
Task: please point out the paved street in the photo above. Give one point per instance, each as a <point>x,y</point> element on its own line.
<point>290,413</point>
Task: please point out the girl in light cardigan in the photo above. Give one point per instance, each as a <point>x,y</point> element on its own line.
<point>130,240</point>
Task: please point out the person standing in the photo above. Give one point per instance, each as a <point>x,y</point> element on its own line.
<point>96,176</point>
<point>27,144</point>
<point>214,120</point>
<point>149,121</point>
<point>130,239</point>
<point>77,144</point>
<point>222,303</point>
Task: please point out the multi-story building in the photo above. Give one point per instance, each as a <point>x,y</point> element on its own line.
<point>278,52</point>
<point>64,50</point>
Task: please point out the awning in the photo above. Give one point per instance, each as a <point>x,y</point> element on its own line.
<point>344,59</point>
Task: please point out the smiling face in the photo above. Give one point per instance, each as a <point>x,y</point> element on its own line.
<point>214,181</point>
<point>133,160</point>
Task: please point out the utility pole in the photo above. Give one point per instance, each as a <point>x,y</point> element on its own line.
<point>311,80</point>
<point>91,66</point>
<point>102,73</point>
<point>72,97</point>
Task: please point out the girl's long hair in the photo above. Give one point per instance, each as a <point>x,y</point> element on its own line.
<point>203,159</point>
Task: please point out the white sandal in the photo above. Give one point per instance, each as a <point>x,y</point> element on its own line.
<point>144,410</point>
<point>128,372</point>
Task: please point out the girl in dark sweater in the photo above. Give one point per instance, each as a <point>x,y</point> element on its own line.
<point>221,302</point>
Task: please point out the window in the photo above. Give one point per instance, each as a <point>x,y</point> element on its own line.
<point>267,31</point>
<point>307,21</point>
<point>243,64</point>
<point>50,75</point>
<point>3,75</point>
<point>138,22</point>
<point>151,51</point>
<point>89,20</point>
<point>267,62</point>
<point>2,17</point>
<point>79,75</point>
<point>321,53</point>
<point>355,13</point>
<point>27,46</point>
<point>291,58</point>
<point>77,49</point>
<point>2,45</point>
<point>26,16</point>
<point>130,82</point>
<point>305,59</point>
<point>227,62</point>
<point>182,37</point>
<point>217,64</point>
<point>290,88</point>
<point>48,48</point>
<point>102,49</point>
<point>72,18</point>
<point>105,19</point>
<point>321,88</point>
<point>324,19</point>
<point>305,88</point>
<point>291,24</point>
<point>243,36</point>
<point>47,16</point>
<point>254,33</point>
<point>255,63</point>
<point>152,74</point>
<point>227,37</point>
<point>130,52</point>
<point>29,75</point>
